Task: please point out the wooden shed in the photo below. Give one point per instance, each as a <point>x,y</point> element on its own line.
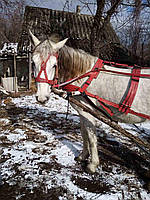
<point>75,26</point>
<point>14,70</point>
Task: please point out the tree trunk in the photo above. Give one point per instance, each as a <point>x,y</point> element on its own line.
<point>99,39</point>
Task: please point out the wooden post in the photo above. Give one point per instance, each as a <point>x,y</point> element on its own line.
<point>30,68</point>
<point>15,73</point>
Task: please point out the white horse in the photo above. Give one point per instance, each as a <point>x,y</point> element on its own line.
<point>112,87</point>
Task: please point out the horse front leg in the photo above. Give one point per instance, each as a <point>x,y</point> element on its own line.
<point>88,132</point>
<point>89,142</point>
<point>86,151</point>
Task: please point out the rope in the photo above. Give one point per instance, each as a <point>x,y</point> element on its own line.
<point>68,99</point>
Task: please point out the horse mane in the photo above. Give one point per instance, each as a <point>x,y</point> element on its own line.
<point>71,62</point>
<point>74,62</point>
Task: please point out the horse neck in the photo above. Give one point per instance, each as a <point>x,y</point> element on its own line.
<point>73,63</point>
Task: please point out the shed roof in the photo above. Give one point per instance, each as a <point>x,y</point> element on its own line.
<point>75,26</point>
<point>43,22</point>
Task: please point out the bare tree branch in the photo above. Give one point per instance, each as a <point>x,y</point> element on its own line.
<point>112,10</point>
<point>11,20</point>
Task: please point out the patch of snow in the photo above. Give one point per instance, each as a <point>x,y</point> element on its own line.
<point>9,48</point>
<point>4,121</point>
<point>64,155</point>
<point>15,137</point>
<point>50,162</point>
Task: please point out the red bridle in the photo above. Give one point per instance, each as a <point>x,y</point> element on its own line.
<point>43,69</point>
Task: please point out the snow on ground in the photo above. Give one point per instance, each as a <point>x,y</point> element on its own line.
<point>38,147</point>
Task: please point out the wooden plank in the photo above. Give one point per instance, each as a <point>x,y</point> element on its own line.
<point>12,57</point>
<point>15,74</point>
<point>9,84</point>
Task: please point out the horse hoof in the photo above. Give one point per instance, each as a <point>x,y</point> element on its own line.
<point>81,158</point>
<point>78,159</point>
<point>91,168</point>
<point>147,174</point>
<point>148,186</point>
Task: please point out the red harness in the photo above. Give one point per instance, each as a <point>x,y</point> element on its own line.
<point>123,107</point>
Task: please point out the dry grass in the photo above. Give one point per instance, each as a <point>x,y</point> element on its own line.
<point>8,101</point>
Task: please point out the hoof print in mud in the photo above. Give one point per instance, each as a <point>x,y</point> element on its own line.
<point>89,185</point>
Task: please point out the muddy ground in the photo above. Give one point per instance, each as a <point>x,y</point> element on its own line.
<point>38,146</point>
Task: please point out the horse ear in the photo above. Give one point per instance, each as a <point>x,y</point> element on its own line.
<point>34,40</point>
<point>59,45</point>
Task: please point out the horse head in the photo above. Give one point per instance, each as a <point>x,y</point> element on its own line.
<point>45,56</point>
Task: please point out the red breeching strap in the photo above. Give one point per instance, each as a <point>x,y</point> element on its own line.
<point>92,75</point>
<point>95,71</point>
<point>125,106</point>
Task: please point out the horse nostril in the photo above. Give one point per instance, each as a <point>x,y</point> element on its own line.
<point>36,98</point>
<point>47,98</point>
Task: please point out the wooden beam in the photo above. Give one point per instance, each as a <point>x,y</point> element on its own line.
<point>112,124</point>
<point>30,68</point>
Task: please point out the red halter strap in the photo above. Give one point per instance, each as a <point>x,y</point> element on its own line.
<point>43,69</point>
